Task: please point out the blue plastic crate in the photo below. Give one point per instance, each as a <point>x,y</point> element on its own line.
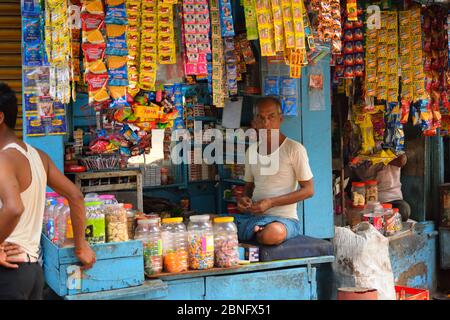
<point>119,265</point>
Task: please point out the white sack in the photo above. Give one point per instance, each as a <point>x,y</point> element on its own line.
<point>362,260</point>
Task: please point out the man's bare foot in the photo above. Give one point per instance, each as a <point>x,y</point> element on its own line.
<point>258,229</point>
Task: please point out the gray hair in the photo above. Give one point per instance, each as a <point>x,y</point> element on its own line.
<point>268,99</point>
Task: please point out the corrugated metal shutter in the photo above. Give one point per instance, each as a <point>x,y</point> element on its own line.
<point>10,51</point>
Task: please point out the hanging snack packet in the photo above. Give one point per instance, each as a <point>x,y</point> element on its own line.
<point>58,125</point>
<point>32,54</point>
<point>271,86</point>
<point>34,126</point>
<point>93,37</point>
<point>93,52</point>
<point>251,23</point>
<point>91,21</point>
<point>96,67</point>
<point>93,6</point>
<point>117,40</point>
<point>31,29</point>
<point>118,75</point>
<point>226,18</point>
<point>97,84</point>
<point>116,12</point>
<point>129,134</point>
<point>30,102</point>
<point>119,96</point>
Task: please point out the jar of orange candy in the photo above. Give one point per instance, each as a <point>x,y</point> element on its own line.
<point>175,245</point>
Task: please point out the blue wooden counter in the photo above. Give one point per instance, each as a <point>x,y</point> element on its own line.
<point>294,279</point>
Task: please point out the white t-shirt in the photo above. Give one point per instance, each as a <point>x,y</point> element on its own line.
<point>273,179</point>
<point>389,185</point>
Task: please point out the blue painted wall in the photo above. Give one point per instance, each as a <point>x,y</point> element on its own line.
<point>316,137</point>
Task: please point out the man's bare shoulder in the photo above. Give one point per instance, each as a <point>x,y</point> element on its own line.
<point>6,161</point>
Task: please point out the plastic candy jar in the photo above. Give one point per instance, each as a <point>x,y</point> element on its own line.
<point>149,232</point>
<point>398,220</point>
<point>95,222</point>
<point>371,190</point>
<point>131,219</point>
<point>201,242</point>
<point>116,223</point>
<point>226,251</point>
<point>108,199</point>
<point>389,219</point>
<point>175,245</point>
<point>358,194</point>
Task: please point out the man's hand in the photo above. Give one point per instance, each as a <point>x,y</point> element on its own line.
<point>261,206</point>
<point>7,250</point>
<point>244,204</point>
<point>86,255</point>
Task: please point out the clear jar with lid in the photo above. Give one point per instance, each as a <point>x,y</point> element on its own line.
<point>358,194</point>
<point>371,190</point>
<point>131,219</point>
<point>226,245</point>
<point>374,215</point>
<point>149,232</point>
<point>201,242</point>
<point>116,223</point>
<point>108,199</point>
<point>398,220</point>
<point>389,219</point>
<point>175,245</point>
<point>95,222</point>
<point>91,197</point>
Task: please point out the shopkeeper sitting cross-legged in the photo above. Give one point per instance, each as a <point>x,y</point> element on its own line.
<point>269,206</point>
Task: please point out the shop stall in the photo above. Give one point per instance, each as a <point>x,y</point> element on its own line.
<point>108,84</point>
<point>396,109</point>
<point>113,87</point>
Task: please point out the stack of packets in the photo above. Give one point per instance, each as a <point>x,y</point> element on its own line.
<point>251,23</point>
<point>226,18</point>
<point>94,47</point>
<point>285,88</point>
<point>329,28</point>
<point>196,27</point>
<point>116,22</point>
<point>411,59</point>
<point>372,126</point>
<point>148,44</point>
<point>382,59</point>
<point>435,47</point>
<point>43,115</point>
<point>218,86</point>
<point>166,37</point>
<point>350,64</point>
<point>58,48</point>
<point>133,43</point>
<point>266,28</point>
<point>231,66</point>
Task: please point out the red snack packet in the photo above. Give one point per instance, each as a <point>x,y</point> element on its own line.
<point>92,21</point>
<point>94,52</point>
<point>406,106</point>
